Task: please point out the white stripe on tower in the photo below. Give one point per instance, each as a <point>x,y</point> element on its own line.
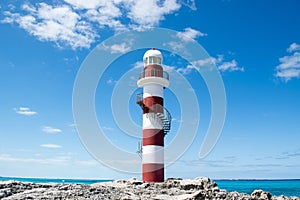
<point>153,154</point>
<point>153,90</point>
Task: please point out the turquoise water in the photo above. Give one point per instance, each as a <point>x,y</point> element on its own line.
<point>49,180</point>
<point>275,187</point>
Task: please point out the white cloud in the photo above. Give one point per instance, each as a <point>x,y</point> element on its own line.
<point>51,146</point>
<point>49,129</point>
<point>219,62</point>
<point>77,23</point>
<point>63,159</point>
<point>87,162</point>
<point>105,14</point>
<point>207,61</point>
<point>107,128</point>
<point>177,120</point>
<point>176,46</point>
<point>189,3</point>
<point>58,24</point>
<point>168,68</point>
<point>230,66</point>
<point>148,13</point>
<point>120,48</point>
<point>185,70</point>
<point>28,7</point>
<point>54,160</point>
<point>25,111</point>
<point>293,47</point>
<point>190,34</point>
<point>72,125</point>
<point>110,81</point>
<point>138,64</point>
<point>289,66</point>
<point>91,4</point>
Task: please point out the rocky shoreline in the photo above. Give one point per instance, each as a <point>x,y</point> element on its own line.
<point>177,189</point>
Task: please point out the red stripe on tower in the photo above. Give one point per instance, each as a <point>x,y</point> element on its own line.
<point>153,80</point>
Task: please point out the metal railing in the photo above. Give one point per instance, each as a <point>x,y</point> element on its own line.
<point>153,73</point>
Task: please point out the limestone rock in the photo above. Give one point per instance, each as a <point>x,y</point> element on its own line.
<point>132,189</point>
<point>260,194</point>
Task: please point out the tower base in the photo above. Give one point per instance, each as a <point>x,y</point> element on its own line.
<point>153,172</point>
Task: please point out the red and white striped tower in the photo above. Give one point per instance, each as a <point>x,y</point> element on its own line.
<point>153,80</point>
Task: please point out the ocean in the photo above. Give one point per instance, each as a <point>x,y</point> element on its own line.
<point>286,187</point>
<point>54,180</point>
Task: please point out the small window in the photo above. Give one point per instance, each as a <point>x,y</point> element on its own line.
<point>146,61</point>
<point>159,61</point>
<point>151,60</point>
<point>152,72</point>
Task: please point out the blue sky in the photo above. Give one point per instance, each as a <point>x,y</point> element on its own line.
<point>254,44</point>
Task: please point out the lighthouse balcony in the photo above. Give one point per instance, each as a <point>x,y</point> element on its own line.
<point>153,76</point>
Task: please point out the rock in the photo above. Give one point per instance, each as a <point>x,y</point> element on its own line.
<point>191,184</point>
<point>215,189</point>
<point>222,194</point>
<point>200,188</point>
<point>195,195</point>
<point>64,187</point>
<point>134,181</point>
<point>5,192</point>
<point>281,197</point>
<point>260,194</point>
<point>174,191</point>
<point>161,197</point>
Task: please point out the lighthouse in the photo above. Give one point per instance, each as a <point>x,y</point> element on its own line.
<point>156,119</point>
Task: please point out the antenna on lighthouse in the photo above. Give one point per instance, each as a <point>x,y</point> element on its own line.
<point>139,149</point>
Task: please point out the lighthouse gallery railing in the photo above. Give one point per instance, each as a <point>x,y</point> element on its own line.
<point>153,72</point>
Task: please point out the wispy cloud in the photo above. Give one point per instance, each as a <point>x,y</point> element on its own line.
<point>107,128</point>
<point>119,48</point>
<point>219,62</point>
<point>59,24</point>
<point>51,161</point>
<point>49,129</point>
<point>148,13</point>
<point>289,66</point>
<point>77,23</point>
<point>189,3</point>
<point>209,163</point>
<point>185,70</point>
<point>190,34</point>
<point>177,120</point>
<point>72,125</point>
<point>110,81</point>
<point>176,46</point>
<point>261,165</point>
<point>288,155</point>
<point>293,47</point>
<point>168,68</point>
<point>87,162</point>
<point>59,159</point>
<point>138,64</point>
<point>229,66</point>
<point>25,111</point>
<point>51,146</point>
